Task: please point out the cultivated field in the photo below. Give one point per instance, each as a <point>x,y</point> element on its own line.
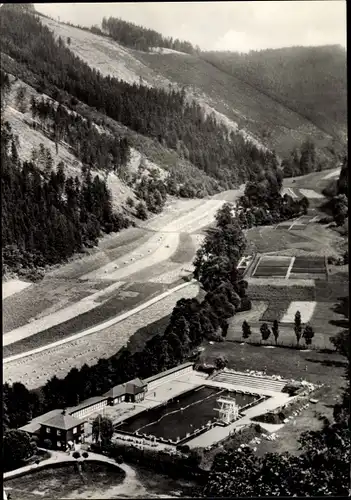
<point>34,370</point>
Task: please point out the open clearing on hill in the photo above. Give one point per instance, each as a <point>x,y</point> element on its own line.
<point>333,174</point>
<point>103,54</point>
<point>315,180</point>
<point>242,105</point>
<point>310,193</point>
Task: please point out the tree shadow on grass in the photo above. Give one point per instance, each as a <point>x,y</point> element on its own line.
<point>341,323</point>
<point>342,306</point>
<point>328,362</point>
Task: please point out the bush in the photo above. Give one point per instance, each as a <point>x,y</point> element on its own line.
<point>246,304</point>
<point>130,202</point>
<point>258,428</point>
<point>76,455</point>
<point>292,388</point>
<point>184,448</point>
<point>119,459</point>
<point>141,211</point>
<point>47,443</point>
<point>85,454</point>
<point>269,418</point>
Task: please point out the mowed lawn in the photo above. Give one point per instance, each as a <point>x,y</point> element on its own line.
<point>325,320</point>
<point>316,367</point>
<point>313,239</point>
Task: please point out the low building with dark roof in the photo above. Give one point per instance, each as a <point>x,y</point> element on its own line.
<point>168,375</point>
<point>34,425</point>
<point>135,390</point>
<point>116,394</point>
<point>88,406</point>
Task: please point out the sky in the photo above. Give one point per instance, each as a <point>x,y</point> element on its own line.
<point>236,26</point>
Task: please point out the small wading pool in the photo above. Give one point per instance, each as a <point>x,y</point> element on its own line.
<point>183,414</point>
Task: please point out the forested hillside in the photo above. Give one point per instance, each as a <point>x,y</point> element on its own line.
<point>137,37</point>
<point>164,115</point>
<point>46,218</point>
<point>308,80</point>
<point>214,135</point>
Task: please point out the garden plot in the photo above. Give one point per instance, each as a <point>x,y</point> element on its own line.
<point>275,310</point>
<point>306,309</point>
<point>309,267</point>
<point>35,369</point>
<point>309,262</point>
<point>266,289</point>
<point>277,266</point>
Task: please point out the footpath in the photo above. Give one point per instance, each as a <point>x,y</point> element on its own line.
<point>58,457</point>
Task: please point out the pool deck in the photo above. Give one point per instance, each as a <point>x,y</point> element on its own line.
<point>218,433</point>
<point>189,381</point>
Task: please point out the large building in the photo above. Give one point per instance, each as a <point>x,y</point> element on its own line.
<point>59,428</point>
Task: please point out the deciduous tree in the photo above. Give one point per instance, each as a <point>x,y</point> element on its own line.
<point>298,326</point>
<point>246,330</point>
<point>275,330</point>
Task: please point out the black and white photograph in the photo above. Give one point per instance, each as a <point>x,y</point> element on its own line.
<point>175,254</point>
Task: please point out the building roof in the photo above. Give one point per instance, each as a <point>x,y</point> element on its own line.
<point>117,390</point>
<point>86,403</point>
<point>135,386</point>
<point>34,425</point>
<point>138,382</point>
<point>63,421</point>
<point>168,372</point>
